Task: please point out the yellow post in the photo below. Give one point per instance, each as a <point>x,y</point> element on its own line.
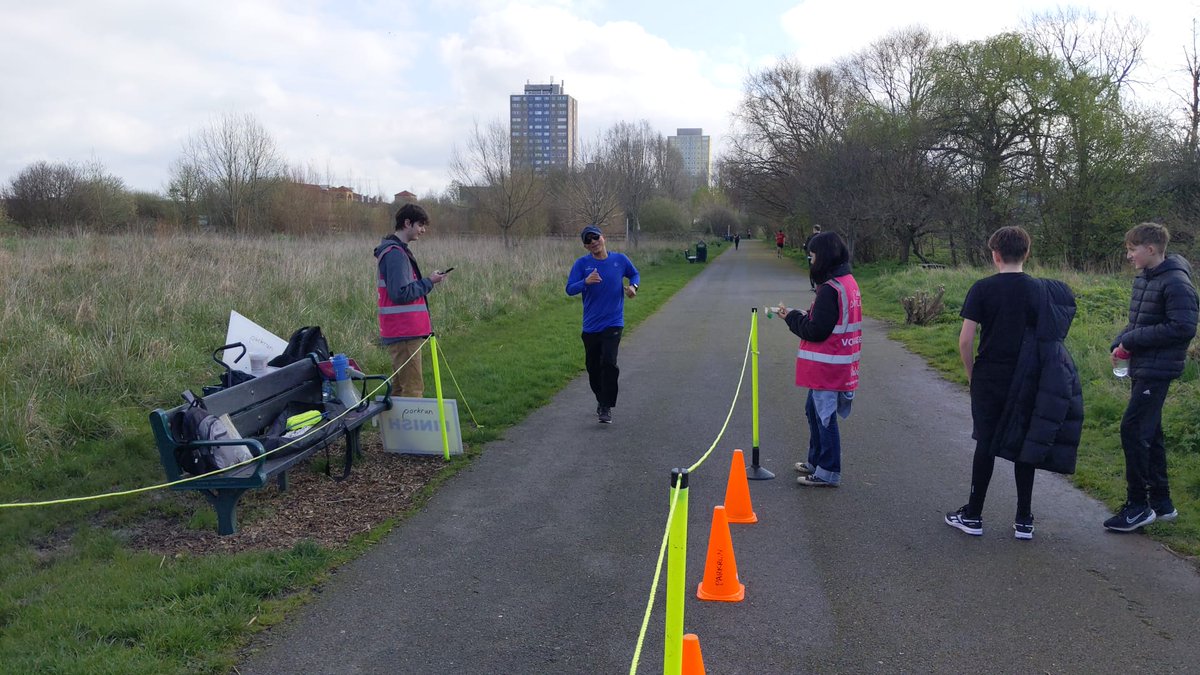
<point>754,369</point>
<point>437,385</point>
<point>755,471</point>
<point>676,573</point>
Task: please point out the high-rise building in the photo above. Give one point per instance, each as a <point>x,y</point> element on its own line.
<point>694,146</point>
<point>542,128</point>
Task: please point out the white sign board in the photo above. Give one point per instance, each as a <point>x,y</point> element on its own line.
<point>258,340</point>
<point>411,427</point>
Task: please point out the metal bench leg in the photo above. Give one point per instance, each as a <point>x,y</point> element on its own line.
<point>353,449</point>
<point>225,502</point>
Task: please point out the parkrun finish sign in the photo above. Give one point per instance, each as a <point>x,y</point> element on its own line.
<point>411,427</point>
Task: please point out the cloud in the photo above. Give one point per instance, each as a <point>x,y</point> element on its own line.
<point>123,82</point>
<point>616,70</point>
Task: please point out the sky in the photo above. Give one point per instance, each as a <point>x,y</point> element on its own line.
<point>376,94</point>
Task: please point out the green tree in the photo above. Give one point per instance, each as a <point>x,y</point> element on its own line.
<point>992,99</point>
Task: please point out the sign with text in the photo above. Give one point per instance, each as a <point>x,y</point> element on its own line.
<point>258,341</point>
<point>411,427</point>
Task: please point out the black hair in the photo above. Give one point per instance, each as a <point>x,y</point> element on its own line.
<point>412,213</point>
<point>829,253</point>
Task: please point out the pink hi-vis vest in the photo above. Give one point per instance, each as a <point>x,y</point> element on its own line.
<point>402,321</point>
<point>832,365</point>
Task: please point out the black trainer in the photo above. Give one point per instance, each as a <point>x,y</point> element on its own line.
<point>1130,518</point>
<point>1023,528</point>
<point>605,415</point>
<point>1164,511</point>
<point>959,519</point>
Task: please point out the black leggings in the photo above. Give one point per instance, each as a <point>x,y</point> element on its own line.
<point>981,476</point>
<point>989,393</point>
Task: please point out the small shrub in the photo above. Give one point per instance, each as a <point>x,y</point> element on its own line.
<point>921,308</point>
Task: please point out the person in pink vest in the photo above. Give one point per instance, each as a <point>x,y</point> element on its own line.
<point>827,361</point>
<point>403,314</point>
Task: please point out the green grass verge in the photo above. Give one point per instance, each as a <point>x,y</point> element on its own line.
<point>74,598</point>
<point>1103,301</point>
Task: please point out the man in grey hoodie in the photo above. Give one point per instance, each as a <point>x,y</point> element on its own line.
<point>403,314</point>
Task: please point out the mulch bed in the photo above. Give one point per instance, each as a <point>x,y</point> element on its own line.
<point>314,507</point>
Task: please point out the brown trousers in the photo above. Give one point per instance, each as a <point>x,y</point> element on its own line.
<point>409,382</point>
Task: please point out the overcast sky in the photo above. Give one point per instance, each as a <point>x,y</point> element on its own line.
<point>374,94</point>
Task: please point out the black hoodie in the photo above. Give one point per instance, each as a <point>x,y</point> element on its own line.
<point>1162,320</point>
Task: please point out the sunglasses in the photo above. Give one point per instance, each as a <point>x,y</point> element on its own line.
<point>590,238</point>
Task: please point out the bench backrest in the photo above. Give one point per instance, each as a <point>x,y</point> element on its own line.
<point>251,405</point>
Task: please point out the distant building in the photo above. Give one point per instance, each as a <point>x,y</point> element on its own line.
<point>697,158</point>
<point>404,197</point>
<point>542,128</point>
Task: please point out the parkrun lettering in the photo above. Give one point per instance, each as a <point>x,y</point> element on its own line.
<point>410,420</point>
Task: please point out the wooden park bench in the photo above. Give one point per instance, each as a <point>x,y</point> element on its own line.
<point>932,266</point>
<point>687,253</point>
<point>252,406</point>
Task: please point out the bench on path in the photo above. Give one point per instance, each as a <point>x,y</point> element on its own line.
<point>252,406</point>
<point>932,266</point>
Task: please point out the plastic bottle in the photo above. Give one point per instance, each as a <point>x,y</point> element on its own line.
<point>1121,365</point>
<point>341,381</point>
<point>1121,369</point>
<point>770,309</point>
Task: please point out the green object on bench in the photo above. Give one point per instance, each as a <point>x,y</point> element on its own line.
<point>252,406</point>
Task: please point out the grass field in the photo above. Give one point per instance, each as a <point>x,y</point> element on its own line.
<point>98,330</point>
<point>1103,302</point>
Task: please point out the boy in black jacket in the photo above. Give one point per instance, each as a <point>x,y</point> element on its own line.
<point>1162,322</point>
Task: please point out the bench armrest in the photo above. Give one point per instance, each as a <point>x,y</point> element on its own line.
<point>253,444</point>
<point>387,390</point>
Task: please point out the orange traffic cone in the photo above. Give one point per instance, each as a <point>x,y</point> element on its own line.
<point>720,568</point>
<point>737,492</point>
<point>693,660</point>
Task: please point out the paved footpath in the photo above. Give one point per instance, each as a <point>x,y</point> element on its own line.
<point>540,556</point>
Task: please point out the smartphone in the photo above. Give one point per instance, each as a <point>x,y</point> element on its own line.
<point>448,270</point>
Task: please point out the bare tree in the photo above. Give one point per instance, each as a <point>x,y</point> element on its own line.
<point>669,175</point>
<point>590,192</point>
<point>1191,101</point>
<point>45,195</point>
<point>42,194</point>
<point>488,182</point>
<point>240,166</point>
<point>629,153</point>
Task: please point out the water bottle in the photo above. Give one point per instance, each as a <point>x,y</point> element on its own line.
<point>1121,366</point>
<point>342,384</point>
<point>1121,369</point>
<point>770,310</point>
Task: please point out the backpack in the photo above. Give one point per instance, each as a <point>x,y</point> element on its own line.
<point>305,341</point>
<point>195,423</point>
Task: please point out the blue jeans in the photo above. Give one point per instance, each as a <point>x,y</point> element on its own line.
<point>824,444</point>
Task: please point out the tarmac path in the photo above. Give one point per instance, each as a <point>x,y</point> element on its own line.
<point>539,557</point>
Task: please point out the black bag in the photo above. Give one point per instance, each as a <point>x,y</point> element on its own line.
<point>275,435</point>
<point>305,341</point>
<point>195,423</point>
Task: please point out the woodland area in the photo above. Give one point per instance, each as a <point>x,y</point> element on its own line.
<point>916,141</point>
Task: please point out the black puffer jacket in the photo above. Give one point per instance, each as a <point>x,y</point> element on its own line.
<point>1162,320</point>
<point>1043,419</point>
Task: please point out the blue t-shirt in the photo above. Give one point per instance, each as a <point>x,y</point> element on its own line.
<point>603,303</point>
